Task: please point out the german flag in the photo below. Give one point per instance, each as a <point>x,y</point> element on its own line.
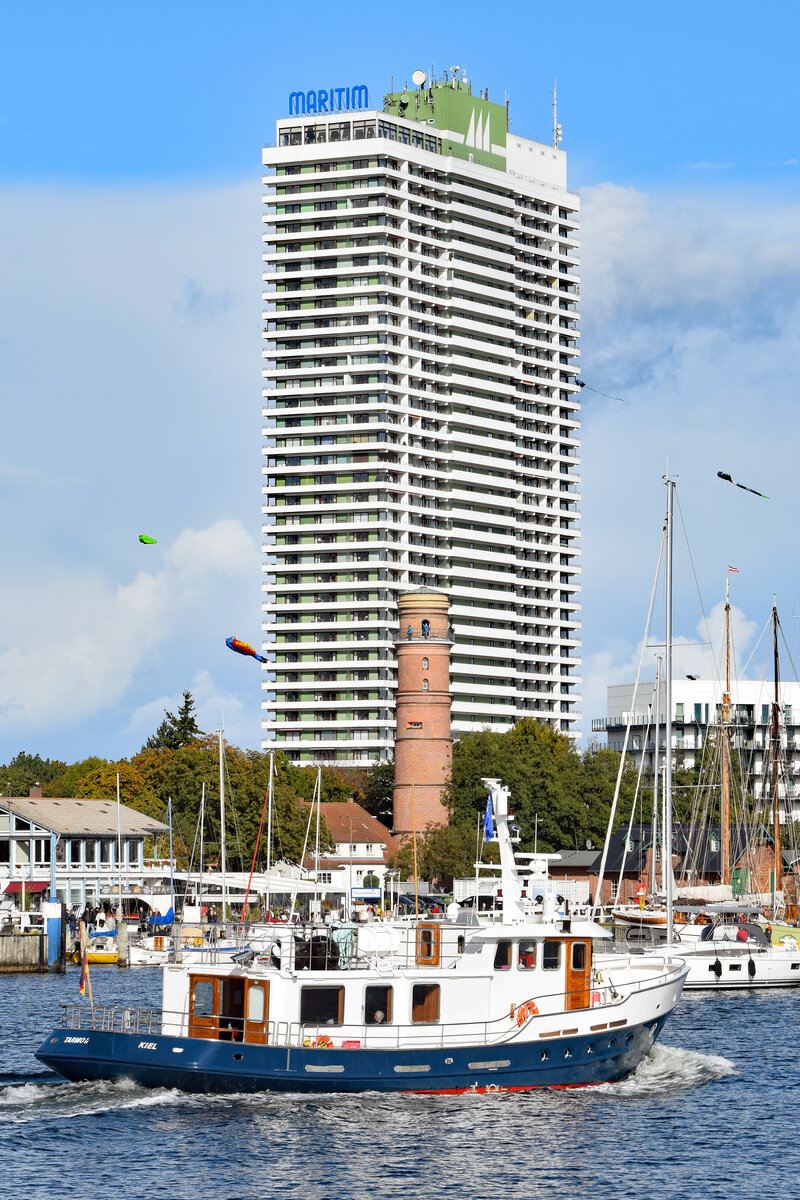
<point>85,982</point>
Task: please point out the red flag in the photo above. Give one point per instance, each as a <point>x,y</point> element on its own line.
<point>734,569</point>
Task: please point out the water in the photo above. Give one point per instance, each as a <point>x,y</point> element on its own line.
<point>710,1114</point>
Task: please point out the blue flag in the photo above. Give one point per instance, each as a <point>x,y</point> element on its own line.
<point>488,820</point>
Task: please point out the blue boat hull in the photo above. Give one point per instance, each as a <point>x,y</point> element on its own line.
<point>197,1065</point>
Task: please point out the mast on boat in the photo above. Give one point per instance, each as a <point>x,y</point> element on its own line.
<point>724,810</point>
<point>776,812</point>
<point>667,827</point>
<point>222,863</point>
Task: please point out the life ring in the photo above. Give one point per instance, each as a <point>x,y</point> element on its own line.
<point>526,1010</point>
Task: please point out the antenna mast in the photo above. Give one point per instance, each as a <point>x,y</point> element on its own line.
<point>557,137</point>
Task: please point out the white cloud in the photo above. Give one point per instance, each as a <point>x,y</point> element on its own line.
<point>691,312</point>
<point>73,642</point>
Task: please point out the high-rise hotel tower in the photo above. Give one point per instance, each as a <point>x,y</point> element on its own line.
<point>421,413</point>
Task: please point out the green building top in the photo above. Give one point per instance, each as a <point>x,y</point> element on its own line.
<point>471,127</point>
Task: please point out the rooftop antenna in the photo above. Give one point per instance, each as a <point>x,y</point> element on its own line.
<point>557,137</point>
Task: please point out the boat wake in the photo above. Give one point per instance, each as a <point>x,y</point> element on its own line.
<point>32,1101</point>
<point>668,1069</point>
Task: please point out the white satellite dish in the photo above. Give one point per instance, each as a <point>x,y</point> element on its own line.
<point>419,77</point>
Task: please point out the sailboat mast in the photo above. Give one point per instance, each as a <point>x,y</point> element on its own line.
<point>202,819</point>
<point>776,811</point>
<point>667,826</point>
<point>222,862</point>
<point>654,883</point>
<point>269,835</point>
<point>724,811</point>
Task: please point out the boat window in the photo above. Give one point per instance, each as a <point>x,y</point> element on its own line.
<point>502,956</point>
<point>378,1005</point>
<point>255,1002</point>
<point>425,1003</point>
<point>321,1005</point>
<point>428,945</point>
<point>203,998</point>
<point>551,955</point>
<point>526,955</point>
<point>462,941</point>
<point>579,956</point>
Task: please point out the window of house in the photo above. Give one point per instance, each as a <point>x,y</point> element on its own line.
<point>425,1003</point>
<point>378,1005</point>
<point>321,1005</point>
<point>551,955</point>
<point>502,956</point>
<point>526,955</point>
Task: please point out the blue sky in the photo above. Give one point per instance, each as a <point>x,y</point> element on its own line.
<point>129,322</point>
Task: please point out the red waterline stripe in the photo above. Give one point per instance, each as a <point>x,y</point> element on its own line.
<point>530,1087</point>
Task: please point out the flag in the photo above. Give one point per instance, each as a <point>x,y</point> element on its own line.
<point>734,569</point>
<point>85,982</point>
<point>84,973</point>
<point>488,820</point>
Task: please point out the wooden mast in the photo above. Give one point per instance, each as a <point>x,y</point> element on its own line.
<point>724,813</point>
<point>776,815</point>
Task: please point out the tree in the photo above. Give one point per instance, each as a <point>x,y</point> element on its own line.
<point>379,791</point>
<point>444,853</point>
<point>65,785</point>
<point>26,771</point>
<point>176,731</point>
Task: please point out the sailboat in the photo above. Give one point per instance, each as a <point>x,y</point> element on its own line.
<point>718,956</point>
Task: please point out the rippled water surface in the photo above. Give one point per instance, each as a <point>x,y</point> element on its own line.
<point>711,1114</point>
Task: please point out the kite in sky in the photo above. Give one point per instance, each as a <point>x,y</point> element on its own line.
<point>727,478</point>
<point>147,541</point>
<point>581,383</point>
<point>242,648</point>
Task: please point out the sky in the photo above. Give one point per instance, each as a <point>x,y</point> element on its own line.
<point>130,197</point>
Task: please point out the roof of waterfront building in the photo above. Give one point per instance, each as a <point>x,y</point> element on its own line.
<point>82,818</point>
<point>349,822</point>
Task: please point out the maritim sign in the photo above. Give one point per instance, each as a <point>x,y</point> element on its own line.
<point>329,100</point>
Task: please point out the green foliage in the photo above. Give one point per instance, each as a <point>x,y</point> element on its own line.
<point>444,853</point>
<point>378,791</point>
<point>65,785</point>
<point>176,731</point>
<point>26,771</point>
<point>560,799</point>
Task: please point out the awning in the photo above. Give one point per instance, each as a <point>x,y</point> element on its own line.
<point>33,886</point>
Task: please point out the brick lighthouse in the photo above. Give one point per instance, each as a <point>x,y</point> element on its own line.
<point>423,749</point>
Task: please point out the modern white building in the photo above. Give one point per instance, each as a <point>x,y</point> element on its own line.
<point>421,412</point>
<point>697,713</point>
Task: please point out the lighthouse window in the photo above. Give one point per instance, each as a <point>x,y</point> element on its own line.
<point>424,664</point>
<point>424,685</point>
<point>425,1003</point>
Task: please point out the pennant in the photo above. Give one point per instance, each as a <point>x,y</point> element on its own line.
<point>488,820</point>
<point>734,569</point>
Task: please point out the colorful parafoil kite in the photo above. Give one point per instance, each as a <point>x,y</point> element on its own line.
<point>243,648</point>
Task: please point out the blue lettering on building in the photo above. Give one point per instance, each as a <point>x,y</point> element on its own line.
<point>329,100</point>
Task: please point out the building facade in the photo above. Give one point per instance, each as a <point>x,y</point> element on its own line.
<point>697,714</point>
<point>421,413</point>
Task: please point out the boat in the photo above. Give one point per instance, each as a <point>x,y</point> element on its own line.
<point>100,948</point>
<point>430,1006</point>
<point>719,955</point>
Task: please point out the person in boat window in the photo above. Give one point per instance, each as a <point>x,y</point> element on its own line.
<point>378,1018</point>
